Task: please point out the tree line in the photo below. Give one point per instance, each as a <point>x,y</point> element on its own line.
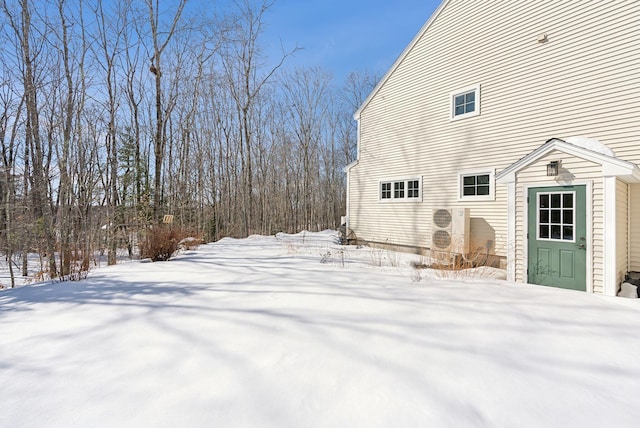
<point>117,113</point>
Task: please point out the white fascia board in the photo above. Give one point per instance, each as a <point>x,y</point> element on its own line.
<point>401,58</point>
<point>508,174</point>
<point>627,171</point>
<point>351,165</point>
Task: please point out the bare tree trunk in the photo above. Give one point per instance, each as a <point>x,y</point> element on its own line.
<point>241,62</point>
<point>64,213</point>
<point>40,181</point>
<point>8,177</point>
<point>156,69</point>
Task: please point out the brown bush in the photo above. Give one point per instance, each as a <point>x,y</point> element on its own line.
<point>190,243</point>
<point>161,242</point>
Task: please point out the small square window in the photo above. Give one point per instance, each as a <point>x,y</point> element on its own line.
<point>465,102</point>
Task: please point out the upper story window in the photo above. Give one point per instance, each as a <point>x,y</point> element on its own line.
<point>476,185</point>
<point>465,102</point>
<point>401,190</point>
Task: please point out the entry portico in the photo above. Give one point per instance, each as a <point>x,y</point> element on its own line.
<point>570,229</point>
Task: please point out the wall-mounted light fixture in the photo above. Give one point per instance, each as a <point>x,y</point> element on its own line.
<point>553,168</point>
<point>542,38</point>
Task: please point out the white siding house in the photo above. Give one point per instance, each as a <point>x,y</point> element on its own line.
<point>470,116</point>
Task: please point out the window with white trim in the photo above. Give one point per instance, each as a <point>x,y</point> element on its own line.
<point>465,102</point>
<point>413,189</point>
<point>385,190</point>
<point>556,216</point>
<point>400,190</point>
<point>476,185</point>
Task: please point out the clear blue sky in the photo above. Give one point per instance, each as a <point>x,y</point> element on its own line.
<point>346,35</point>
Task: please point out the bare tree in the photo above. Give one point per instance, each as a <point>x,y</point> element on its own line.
<point>160,40</point>
<point>150,107</point>
<point>111,30</point>
<point>306,94</point>
<point>243,62</point>
<point>9,110</point>
<point>68,111</point>
<point>20,20</point>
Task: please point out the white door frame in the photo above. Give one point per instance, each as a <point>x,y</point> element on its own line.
<point>589,225</point>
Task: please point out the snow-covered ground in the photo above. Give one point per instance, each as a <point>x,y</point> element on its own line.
<point>296,331</point>
<point>37,267</point>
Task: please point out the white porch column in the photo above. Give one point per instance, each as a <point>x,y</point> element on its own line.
<point>511,231</point>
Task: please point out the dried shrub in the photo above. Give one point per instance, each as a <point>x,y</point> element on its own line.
<point>79,263</point>
<point>161,242</point>
<point>477,263</point>
<point>190,243</point>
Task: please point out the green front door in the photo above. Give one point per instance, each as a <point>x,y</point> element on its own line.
<point>557,237</point>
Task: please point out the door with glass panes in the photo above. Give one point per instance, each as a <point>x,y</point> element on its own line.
<point>557,242</point>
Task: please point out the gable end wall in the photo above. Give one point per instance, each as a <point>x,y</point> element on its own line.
<point>583,81</point>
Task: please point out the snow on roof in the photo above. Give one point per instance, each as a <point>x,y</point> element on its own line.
<point>590,144</point>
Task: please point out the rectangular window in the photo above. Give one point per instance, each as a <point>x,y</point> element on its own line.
<point>556,216</point>
<point>385,190</point>
<point>476,185</point>
<point>413,189</point>
<point>400,190</point>
<point>465,102</point>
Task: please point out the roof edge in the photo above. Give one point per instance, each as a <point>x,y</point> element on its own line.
<point>401,58</point>
<point>349,166</point>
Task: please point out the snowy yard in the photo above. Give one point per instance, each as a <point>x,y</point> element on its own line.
<point>293,331</point>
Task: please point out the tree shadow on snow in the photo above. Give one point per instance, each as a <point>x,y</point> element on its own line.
<point>97,291</point>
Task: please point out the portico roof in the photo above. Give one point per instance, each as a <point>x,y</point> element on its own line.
<point>611,165</point>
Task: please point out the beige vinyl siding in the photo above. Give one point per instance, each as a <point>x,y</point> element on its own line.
<point>622,230</point>
<point>583,81</point>
<point>634,232</point>
<point>581,171</point>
